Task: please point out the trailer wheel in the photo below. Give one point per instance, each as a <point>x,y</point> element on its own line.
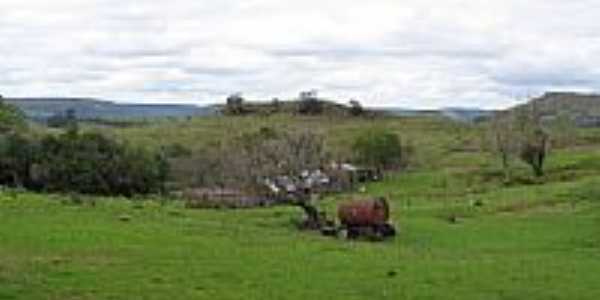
<point>376,234</point>
<point>353,233</point>
<point>387,230</point>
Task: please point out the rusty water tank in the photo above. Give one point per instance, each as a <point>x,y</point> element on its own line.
<point>364,213</point>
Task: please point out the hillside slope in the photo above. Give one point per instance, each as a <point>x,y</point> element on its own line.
<point>583,109</point>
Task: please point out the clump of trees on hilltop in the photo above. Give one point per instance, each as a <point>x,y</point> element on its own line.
<point>308,103</point>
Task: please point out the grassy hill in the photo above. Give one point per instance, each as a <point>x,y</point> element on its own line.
<point>463,233</point>
<point>433,137</point>
<point>583,109</point>
<point>539,242</point>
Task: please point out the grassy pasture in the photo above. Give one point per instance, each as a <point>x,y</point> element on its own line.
<point>464,234</point>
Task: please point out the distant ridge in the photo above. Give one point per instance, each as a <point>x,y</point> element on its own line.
<point>582,109</point>
<point>462,114</point>
<point>42,109</point>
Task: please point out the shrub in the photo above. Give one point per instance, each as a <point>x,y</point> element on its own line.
<point>235,105</point>
<point>10,117</point>
<point>379,148</point>
<point>356,109</point>
<point>17,155</point>
<point>88,163</point>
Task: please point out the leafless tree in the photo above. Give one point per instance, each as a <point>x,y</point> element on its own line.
<point>504,142</point>
<point>521,134</point>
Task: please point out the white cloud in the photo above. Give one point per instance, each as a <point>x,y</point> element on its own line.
<point>399,53</point>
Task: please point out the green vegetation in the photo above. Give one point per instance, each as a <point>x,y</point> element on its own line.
<point>379,148</point>
<point>10,117</point>
<point>534,241</point>
<point>89,163</point>
<point>465,233</point>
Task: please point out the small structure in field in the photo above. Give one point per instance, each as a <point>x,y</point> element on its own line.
<point>280,189</point>
<point>349,175</point>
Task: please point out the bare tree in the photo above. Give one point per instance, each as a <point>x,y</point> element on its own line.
<point>534,149</point>
<point>521,134</point>
<point>504,142</point>
<point>269,154</point>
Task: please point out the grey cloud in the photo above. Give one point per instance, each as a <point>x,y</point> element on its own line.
<point>342,52</point>
<point>405,53</point>
<point>536,78</point>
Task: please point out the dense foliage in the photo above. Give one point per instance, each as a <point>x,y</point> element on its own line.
<point>80,162</point>
<point>379,148</point>
<point>10,117</point>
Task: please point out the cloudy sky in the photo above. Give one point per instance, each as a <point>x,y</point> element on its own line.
<point>409,53</point>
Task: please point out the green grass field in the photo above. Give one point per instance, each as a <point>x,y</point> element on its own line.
<point>463,235</point>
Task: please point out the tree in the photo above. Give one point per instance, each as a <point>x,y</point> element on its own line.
<point>310,103</point>
<point>534,149</point>
<point>89,163</point>
<point>18,154</point>
<point>521,134</point>
<point>92,163</point>
<point>11,117</point>
<point>379,148</point>
<point>505,142</point>
<point>268,153</point>
<point>235,104</point>
<point>275,104</point>
<point>356,108</point>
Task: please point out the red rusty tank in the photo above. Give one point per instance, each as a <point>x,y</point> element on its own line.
<point>364,213</point>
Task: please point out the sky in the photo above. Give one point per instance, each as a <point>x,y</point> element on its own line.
<point>401,53</point>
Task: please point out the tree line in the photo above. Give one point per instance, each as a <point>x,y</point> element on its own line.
<point>75,161</point>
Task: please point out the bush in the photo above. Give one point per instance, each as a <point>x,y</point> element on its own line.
<point>356,109</point>
<point>235,105</point>
<point>379,148</point>
<point>87,163</point>
<point>17,155</point>
<point>10,117</point>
